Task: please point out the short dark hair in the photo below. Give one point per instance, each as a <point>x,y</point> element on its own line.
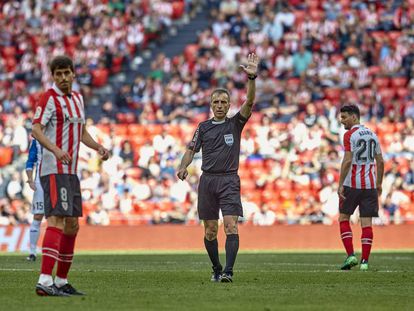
<point>351,109</point>
<point>60,62</point>
<point>220,91</point>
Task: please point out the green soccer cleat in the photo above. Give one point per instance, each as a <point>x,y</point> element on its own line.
<point>364,265</point>
<point>349,262</point>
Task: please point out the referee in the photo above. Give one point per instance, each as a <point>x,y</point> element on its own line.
<point>219,187</point>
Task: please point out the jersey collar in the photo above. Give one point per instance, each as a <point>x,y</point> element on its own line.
<point>218,122</point>
<point>57,90</point>
<point>356,126</point>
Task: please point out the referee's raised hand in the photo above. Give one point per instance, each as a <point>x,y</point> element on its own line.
<point>252,63</point>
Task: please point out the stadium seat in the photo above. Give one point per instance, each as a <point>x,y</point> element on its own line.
<point>312,4</point>
<point>333,93</point>
<point>317,15</point>
<point>379,36</point>
<point>299,16</point>
<point>6,156</point>
<point>178,9</point>
<point>117,64</point>
<point>136,130</point>
<point>120,129</point>
<point>402,92</point>
<point>387,94</point>
<point>398,82</point>
<point>191,52</point>
<point>100,77</point>
<point>382,82</point>
<point>8,51</point>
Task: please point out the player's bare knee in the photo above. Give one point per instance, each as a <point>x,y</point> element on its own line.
<point>211,231</point>
<point>211,235</point>
<point>71,226</point>
<point>38,217</point>
<point>343,217</point>
<point>230,228</point>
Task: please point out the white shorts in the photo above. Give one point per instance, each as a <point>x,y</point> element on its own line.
<point>38,207</point>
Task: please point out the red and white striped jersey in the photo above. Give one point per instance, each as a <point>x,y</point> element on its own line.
<point>63,117</point>
<point>364,145</point>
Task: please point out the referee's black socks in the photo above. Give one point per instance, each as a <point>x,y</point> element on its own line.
<point>212,250</point>
<point>232,247</point>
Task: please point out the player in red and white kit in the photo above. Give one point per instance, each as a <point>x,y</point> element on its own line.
<point>360,182</point>
<point>59,126</point>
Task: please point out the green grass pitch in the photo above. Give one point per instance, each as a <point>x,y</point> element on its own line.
<point>180,281</point>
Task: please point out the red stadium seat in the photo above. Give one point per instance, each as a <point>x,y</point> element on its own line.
<point>6,156</point>
<point>10,64</point>
<point>382,82</point>
<point>394,35</point>
<point>299,16</point>
<point>72,40</point>
<point>316,15</point>
<point>100,77</point>
<point>190,52</point>
<point>120,129</point>
<point>313,4</point>
<point>387,94</point>
<point>398,82</point>
<point>379,36</point>
<point>136,130</point>
<point>333,93</point>
<point>178,9</point>
<point>402,92</point>
<point>374,70</point>
<point>117,64</point>
<point>8,51</point>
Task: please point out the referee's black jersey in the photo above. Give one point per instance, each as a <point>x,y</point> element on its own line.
<point>220,142</point>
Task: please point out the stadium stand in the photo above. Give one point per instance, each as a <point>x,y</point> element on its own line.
<point>341,52</point>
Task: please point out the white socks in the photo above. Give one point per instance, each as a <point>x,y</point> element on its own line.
<point>45,280</point>
<point>34,235</point>
<point>60,282</point>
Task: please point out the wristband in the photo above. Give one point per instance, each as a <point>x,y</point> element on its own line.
<point>252,77</point>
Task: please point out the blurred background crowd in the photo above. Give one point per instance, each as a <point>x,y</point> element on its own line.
<point>316,55</point>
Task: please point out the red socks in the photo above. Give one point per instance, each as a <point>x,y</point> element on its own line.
<point>366,240</point>
<point>346,236</point>
<point>67,245</point>
<point>50,249</point>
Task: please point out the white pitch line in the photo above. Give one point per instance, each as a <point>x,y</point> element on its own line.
<point>169,270</point>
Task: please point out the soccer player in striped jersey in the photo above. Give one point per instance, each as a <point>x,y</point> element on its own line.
<point>35,154</point>
<point>59,126</point>
<point>360,183</point>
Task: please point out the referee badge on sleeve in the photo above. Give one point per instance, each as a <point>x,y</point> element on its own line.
<point>229,140</point>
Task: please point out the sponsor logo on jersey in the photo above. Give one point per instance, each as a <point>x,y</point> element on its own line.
<point>38,112</point>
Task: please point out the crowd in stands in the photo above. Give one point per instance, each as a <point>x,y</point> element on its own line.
<point>315,56</point>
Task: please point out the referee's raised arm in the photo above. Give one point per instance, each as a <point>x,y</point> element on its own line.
<point>251,71</point>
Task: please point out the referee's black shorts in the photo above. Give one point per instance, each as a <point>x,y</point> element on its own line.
<point>366,199</point>
<point>62,195</point>
<point>219,191</point>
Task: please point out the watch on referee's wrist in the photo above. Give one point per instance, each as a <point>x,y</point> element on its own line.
<point>252,77</point>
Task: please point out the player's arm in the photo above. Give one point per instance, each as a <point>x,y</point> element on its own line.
<point>251,71</point>
<point>30,163</point>
<point>185,162</point>
<point>37,133</point>
<point>91,143</point>
<point>345,166</point>
<point>380,172</point>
